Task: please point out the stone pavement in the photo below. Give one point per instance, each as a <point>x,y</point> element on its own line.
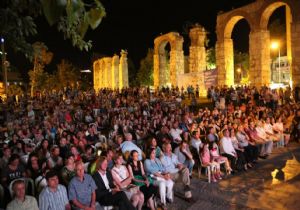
<point>273,183</point>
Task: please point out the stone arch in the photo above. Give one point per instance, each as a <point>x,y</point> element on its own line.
<point>231,20</point>
<point>257,14</point>
<point>292,22</point>
<point>176,59</point>
<point>269,8</point>
<point>224,46</point>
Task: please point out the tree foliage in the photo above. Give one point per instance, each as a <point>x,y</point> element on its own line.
<point>132,73</point>
<point>41,57</point>
<point>13,90</point>
<point>145,72</point>
<point>66,75</point>
<point>211,58</point>
<point>72,17</point>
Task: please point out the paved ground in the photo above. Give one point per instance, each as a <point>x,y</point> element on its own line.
<point>273,183</point>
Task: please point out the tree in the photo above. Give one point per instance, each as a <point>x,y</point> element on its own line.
<point>241,62</point>
<point>67,74</point>
<point>41,57</point>
<point>145,73</point>
<point>72,17</point>
<point>211,58</point>
<point>13,90</point>
<point>132,73</point>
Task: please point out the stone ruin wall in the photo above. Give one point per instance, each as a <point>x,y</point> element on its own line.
<point>111,72</point>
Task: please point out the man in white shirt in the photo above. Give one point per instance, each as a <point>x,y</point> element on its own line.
<point>21,200</point>
<point>196,141</point>
<point>227,149</point>
<point>128,146</point>
<point>176,169</point>
<point>175,132</point>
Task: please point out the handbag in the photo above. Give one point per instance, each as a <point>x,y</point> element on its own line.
<point>133,189</point>
<point>139,177</point>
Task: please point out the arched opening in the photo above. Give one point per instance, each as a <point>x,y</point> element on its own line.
<point>164,63</point>
<point>240,37</point>
<point>236,50</point>
<point>277,19</point>
<point>168,65</point>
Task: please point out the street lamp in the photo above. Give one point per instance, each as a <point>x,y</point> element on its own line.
<point>4,66</point>
<point>276,45</point>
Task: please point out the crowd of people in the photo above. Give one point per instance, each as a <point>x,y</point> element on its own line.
<point>129,148</point>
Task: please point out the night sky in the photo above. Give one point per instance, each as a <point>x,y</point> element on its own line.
<point>134,24</point>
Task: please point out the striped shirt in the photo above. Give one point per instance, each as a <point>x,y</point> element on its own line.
<point>49,200</point>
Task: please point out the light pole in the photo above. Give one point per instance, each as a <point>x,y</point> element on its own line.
<point>4,66</point>
<point>239,71</point>
<point>274,46</point>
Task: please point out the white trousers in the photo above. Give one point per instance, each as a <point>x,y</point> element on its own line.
<point>165,188</point>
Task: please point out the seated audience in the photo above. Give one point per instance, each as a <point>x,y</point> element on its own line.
<point>208,161</point>
<point>162,179</point>
<point>185,156</point>
<point>176,169</point>
<point>107,194</point>
<point>21,201</point>
<point>123,180</point>
<point>54,196</point>
<point>137,173</point>
<point>81,190</point>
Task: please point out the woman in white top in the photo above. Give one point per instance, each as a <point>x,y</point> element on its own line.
<point>123,180</point>
<point>279,129</point>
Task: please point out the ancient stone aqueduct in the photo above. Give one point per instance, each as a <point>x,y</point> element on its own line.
<point>257,15</point>
<point>111,72</point>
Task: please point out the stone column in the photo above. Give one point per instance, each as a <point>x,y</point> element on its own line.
<point>176,65</point>
<point>295,28</point>
<point>259,50</point>
<point>107,61</point>
<point>123,69</point>
<point>115,71</point>
<point>288,21</point>
<point>197,59</point>
<point>102,74</point>
<point>164,71</point>
<point>96,75</point>
<point>156,70</point>
<point>225,64</point>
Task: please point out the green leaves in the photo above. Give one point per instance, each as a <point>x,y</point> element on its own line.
<point>95,16</point>
<point>145,73</point>
<point>53,9</point>
<point>77,20</point>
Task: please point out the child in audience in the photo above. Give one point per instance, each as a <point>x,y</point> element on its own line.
<point>207,161</point>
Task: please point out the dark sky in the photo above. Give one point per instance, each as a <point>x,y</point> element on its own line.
<point>134,24</point>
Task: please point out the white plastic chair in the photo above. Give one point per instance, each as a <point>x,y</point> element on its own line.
<point>108,207</point>
<point>1,194</point>
<point>86,166</point>
<point>28,183</point>
<point>207,170</point>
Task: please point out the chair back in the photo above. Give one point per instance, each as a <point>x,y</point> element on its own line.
<point>29,186</point>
